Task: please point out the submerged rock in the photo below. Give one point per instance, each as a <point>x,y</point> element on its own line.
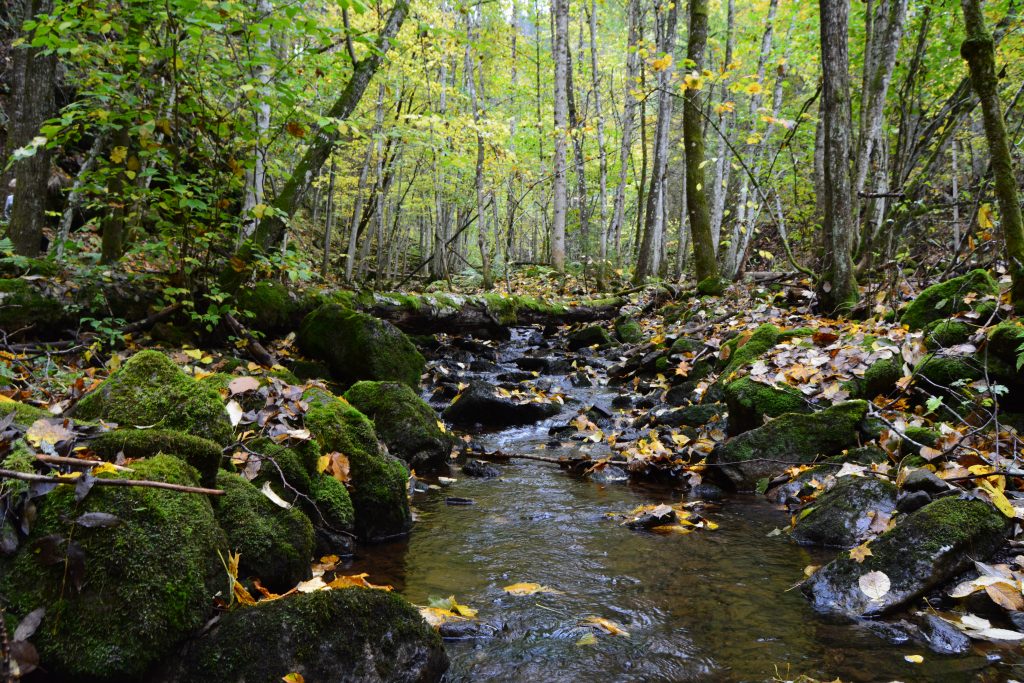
<point>150,390</point>
<point>481,404</point>
<point>404,422</point>
<point>791,439</point>
<point>839,517</point>
<point>480,469</point>
<point>345,635</point>
<point>926,548</point>
<point>356,346</point>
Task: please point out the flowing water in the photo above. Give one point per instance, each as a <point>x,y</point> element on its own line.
<point>707,606</point>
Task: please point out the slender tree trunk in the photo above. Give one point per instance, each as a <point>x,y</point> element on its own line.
<point>626,125</point>
<point>481,221</point>
<point>979,51</point>
<point>325,264</point>
<point>114,222</point>
<point>720,186</point>
<point>837,288</point>
<point>602,262</point>
<point>256,177</point>
<point>561,19</point>
<point>705,263</point>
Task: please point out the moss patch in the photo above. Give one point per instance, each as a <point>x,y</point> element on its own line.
<point>750,402</point>
<point>23,305</point>
<point>763,338</point>
<point>943,299</point>
<point>202,454</point>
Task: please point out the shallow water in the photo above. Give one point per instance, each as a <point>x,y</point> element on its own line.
<point>708,606</point>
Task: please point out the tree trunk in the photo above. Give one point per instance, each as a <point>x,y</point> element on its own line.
<point>837,288</point>
<point>602,262</point>
<point>561,19</point>
<point>720,185</point>
<point>626,125</point>
<point>979,51</point>
<point>114,223</point>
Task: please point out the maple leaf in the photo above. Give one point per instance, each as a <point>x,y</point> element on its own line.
<point>860,553</point>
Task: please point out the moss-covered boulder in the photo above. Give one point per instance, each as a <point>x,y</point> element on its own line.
<point>592,335</point>
<point>351,634</point>
<point>24,414</point>
<point>356,346</point>
<point>276,544</point>
<point>943,299</point>
<point>1005,339</point>
<point>628,331</point>
<point>202,454</point>
<point>750,401</point>
<point>792,439</point>
<point>930,546</point>
<point>288,468</point>
<point>404,422</point>
<point>879,379</point>
<point>267,306</point>
<point>379,481</point>
<point>839,517</point>
<point>744,350</point>
<point>330,509</point>
<point>150,390</point>
<point>130,592</point>
<point>23,304</point>
<point>482,404</point>
<point>946,333</point>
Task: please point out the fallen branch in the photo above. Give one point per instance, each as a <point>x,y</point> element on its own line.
<point>43,479</point>
<point>77,462</point>
<point>258,351</point>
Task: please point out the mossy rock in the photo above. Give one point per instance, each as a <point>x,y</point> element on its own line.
<point>696,415</point>
<point>1004,339</point>
<point>267,306</point>
<point>879,378</point>
<point>928,547</point>
<point>404,422</point>
<point>379,481</point>
<point>149,389</point>
<point>938,374</point>
<point>763,338</point>
<point>839,517</point>
<point>276,545</point>
<point>146,583</point>
<point>792,439</point>
<point>330,510</point>
<point>23,304</point>
<point>946,333</point>
<point>592,335</point>
<point>309,369</point>
<point>796,333</point>
<point>356,346</point>
<point>24,414</point>
<point>944,299</point>
<point>711,286</point>
<point>202,454</point>
<point>287,468</point>
<point>750,401</point>
<point>351,634</point>
<point>628,331</point>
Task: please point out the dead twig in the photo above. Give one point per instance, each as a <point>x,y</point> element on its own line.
<point>43,479</point>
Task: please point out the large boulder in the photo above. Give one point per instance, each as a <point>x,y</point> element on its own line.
<point>345,635</point>
<point>482,404</point>
<point>275,544</point>
<point>150,390</point>
<point>592,335</point>
<point>943,299</point>
<point>839,517</point>
<point>404,422</point>
<point>930,546</point>
<point>379,481</point>
<point>743,350</point>
<point>791,439</point>
<point>121,589</point>
<point>203,454</point>
<point>23,303</point>
<point>356,346</point>
<point>750,402</point>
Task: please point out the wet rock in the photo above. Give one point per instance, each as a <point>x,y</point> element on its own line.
<point>787,440</point>
<point>404,422</point>
<point>592,335</point>
<point>839,517</point>
<point>750,402</point>
<point>351,634</point>
<point>623,401</point>
<point>609,474</point>
<point>657,516</point>
<point>925,549</point>
<point>483,365</point>
<point>707,491</point>
<point>478,468</point>
<point>915,500</point>
<point>628,331</point>
<point>897,633</point>
<point>515,376</point>
<point>461,630</point>
<point>548,365</point>
<point>923,480</point>
<point>480,404</point>
<point>944,638</point>
<point>581,379</point>
<point>786,490</point>
<point>680,394</point>
<point>690,416</point>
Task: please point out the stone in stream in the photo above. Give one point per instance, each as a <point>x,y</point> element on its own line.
<point>750,402</point>
<point>548,365</point>
<point>592,335</point>
<point>480,469</point>
<point>839,517</point>
<point>791,439</point>
<point>928,547</point>
<point>690,416</point>
<point>481,404</point>
<point>404,422</point>
<point>942,637</point>
<point>347,634</point>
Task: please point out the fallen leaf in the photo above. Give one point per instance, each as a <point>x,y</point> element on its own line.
<point>235,412</point>
<point>240,385</point>
<point>874,585</point>
<point>274,498</point>
<point>293,678</point>
<point>1006,595</point>
<point>914,659</point>
<point>588,639</point>
<point>860,553</point>
<point>606,625</point>
<point>45,433</point>
<point>528,589</point>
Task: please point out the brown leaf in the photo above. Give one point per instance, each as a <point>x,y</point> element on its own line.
<point>240,385</point>
<point>1006,596</point>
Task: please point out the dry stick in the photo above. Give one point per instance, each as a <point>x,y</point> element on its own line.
<point>43,479</point>
<point>78,462</point>
<point>258,351</point>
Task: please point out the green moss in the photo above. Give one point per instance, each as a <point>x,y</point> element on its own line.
<point>306,370</point>
<point>1004,339</point>
<point>763,338</point>
<point>879,378</point>
<point>146,583</point>
<point>839,517</point>
<point>151,390</point>
<point>711,286</point>
<point>275,544</point>
<point>347,634</point>
<point>24,414</point>
<point>789,439</point>
<point>750,402</point>
<point>356,346</point>
<point>591,335</point>
<point>407,425</point>
<point>22,304</point>
<point>502,308</point>
<point>202,454</point>
<point>943,299</point>
<point>628,331</point>
<point>379,481</point>
<point>333,504</point>
<point>287,469</point>
<point>946,333</point>
<point>796,333</point>
<point>17,266</point>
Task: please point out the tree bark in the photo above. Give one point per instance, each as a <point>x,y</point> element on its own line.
<point>561,19</point>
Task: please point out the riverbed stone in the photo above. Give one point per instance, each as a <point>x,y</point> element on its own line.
<point>750,402</point>
<point>356,346</point>
<point>480,403</point>
<point>928,547</point>
<point>592,335</point>
<point>741,353</point>
<point>404,422</point>
<point>150,390</point>
<point>350,635</point>
<point>791,439</point>
<point>839,517</point>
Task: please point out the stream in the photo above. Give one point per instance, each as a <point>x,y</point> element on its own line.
<point>707,606</point>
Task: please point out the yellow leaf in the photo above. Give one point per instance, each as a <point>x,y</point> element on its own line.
<point>606,625</point>
<point>335,464</point>
<point>587,639</point>
<point>293,678</point>
<point>242,595</point>
<point>105,468</point>
<point>528,589</point>
<point>985,216</point>
<point>118,154</point>
<point>998,498</point>
<point>754,88</point>
<point>435,616</point>
<point>914,659</point>
<point>356,581</point>
<point>440,425</point>
<point>661,63</point>
<point>860,553</point>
